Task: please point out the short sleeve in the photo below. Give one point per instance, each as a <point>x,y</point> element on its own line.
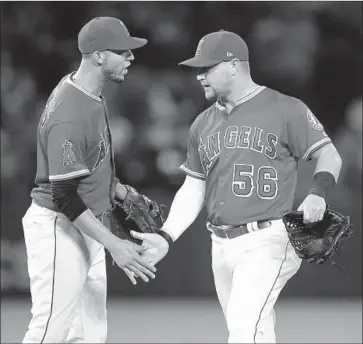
<point>66,151</point>
<point>305,133</point>
<point>192,165</point>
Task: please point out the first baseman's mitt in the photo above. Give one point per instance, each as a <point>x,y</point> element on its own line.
<point>317,242</point>
<point>136,212</point>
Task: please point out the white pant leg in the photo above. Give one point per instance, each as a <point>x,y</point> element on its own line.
<point>266,332</point>
<point>94,301</point>
<point>264,262</point>
<point>222,273</point>
<point>58,263</point>
<point>90,322</point>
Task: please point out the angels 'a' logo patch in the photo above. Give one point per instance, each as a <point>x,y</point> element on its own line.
<point>313,121</point>
<point>68,155</point>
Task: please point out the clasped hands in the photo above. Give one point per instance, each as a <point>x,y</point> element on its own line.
<point>156,247</point>
<point>153,249</point>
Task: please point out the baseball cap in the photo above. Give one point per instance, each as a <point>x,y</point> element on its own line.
<point>107,33</point>
<point>217,47</point>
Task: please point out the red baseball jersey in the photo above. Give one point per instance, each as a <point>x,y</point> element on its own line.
<point>249,157</point>
<point>74,141</point>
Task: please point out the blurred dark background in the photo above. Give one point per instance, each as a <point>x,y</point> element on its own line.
<point>309,50</point>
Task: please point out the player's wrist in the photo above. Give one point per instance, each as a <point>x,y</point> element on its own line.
<point>167,237</point>
<point>316,193</point>
<point>323,183</point>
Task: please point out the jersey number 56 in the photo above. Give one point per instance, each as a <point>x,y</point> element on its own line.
<point>245,181</point>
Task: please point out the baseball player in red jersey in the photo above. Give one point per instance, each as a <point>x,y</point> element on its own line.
<point>241,164</point>
<point>65,228</point>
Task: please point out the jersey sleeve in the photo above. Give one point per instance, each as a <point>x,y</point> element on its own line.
<point>192,165</point>
<point>66,151</point>
<point>305,133</point>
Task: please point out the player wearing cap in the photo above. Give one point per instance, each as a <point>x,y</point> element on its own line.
<point>242,165</point>
<point>65,228</point>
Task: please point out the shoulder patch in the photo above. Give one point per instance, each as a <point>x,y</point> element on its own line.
<point>313,121</point>
<point>50,105</point>
<point>68,154</point>
<point>49,109</point>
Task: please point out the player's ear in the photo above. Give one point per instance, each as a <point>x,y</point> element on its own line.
<point>234,66</point>
<point>98,57</point>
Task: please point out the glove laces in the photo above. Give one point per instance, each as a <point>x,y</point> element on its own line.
<point>338,266</point>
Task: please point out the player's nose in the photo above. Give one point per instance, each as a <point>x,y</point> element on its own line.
<point>130,56</point>
<point>200,76</point>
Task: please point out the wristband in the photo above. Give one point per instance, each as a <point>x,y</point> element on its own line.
<point>323,183</point>
<point>167,237</point>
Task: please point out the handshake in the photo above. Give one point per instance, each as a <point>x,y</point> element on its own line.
<point>140,260</point>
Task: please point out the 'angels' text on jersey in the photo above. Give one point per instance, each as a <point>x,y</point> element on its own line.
<point>242,137</point>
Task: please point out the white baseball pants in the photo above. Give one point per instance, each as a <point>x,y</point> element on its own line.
<point>67,273</point>
<point>249,274</point>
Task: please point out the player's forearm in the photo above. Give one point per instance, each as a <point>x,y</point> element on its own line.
<point>89,225</point>
<point>68,201</point>
<point>186,206</point>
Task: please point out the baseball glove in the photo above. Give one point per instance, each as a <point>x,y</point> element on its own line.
<point>136,212</point>
<point>317,242</point>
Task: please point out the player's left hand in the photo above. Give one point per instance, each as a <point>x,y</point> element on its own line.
<point>156,246</point>
<point>313,208</point>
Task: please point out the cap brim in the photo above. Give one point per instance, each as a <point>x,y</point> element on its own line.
<point>199,62</point>
<point>132,43</point>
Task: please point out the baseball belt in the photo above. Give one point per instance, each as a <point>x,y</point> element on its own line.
<point>230,232</point>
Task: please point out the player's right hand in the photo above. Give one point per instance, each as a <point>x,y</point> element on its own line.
<point>127,257</point>
<point>156,246</point>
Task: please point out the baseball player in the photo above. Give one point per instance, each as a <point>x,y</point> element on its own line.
<point>241,165</point>
<point>66,226</point>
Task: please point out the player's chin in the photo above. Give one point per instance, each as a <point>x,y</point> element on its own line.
<point>118,78</point>
<point>209,95</point>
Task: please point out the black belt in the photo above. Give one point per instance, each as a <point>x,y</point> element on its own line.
<point>231,232</point>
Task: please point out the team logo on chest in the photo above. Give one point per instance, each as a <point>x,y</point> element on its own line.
<point>103,149</point>
<point>68,154</point>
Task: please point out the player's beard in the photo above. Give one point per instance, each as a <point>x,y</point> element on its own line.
<point>111,74</point>
<point>116,77</point>
<point>210,93</point>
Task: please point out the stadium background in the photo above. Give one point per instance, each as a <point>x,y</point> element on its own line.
<point>310,50</point>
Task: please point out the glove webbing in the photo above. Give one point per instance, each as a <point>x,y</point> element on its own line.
<point>338,248</point>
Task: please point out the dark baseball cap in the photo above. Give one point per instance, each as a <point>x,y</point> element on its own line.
<point>107,33</point>
<point>217,47</point>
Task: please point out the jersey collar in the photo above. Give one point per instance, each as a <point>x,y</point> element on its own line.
<point>243,99</point>
<point>70,81</point>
